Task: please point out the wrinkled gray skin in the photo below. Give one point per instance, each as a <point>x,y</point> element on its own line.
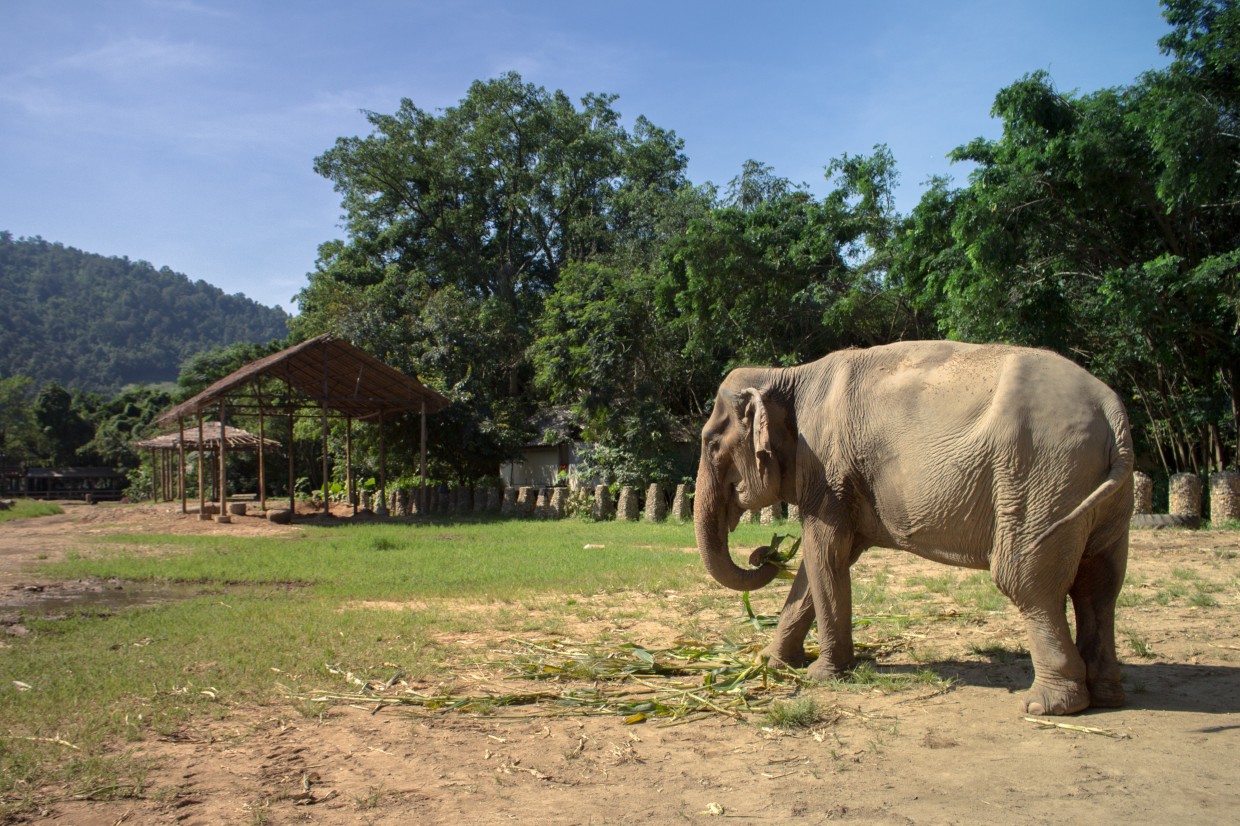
<point>989,457</point>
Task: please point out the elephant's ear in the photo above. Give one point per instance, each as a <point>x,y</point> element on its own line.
<point>759,423</point>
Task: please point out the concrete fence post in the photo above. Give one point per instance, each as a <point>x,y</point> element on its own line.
<point>602,503</point>
<point>748,517</point>
<point>1184,495</point>
<point>656,508</point>
<point>626,508</point>
<point>558,504</point>
<point>682,508</point>
<point>769,514</point>
<point>525,500</point>
<point>794,513</point>
<point>509,506</point>
<point>1224,498</point>
<point>1142,493</point>
<point>495,499</point>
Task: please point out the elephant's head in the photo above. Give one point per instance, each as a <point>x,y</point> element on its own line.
<point>748,461</point>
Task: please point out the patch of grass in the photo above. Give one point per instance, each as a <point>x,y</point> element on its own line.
<point>799,712</point>
<point>979,593</point>
<point>28,509</point>
<point>867,677</point>
<point>1201,599</point>
<point>941,584</point>
<point>1139,645</point>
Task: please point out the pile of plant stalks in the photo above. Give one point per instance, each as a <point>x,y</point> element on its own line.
<point>689,681</point>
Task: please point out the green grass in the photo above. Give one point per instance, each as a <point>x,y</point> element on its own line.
<point>488,560</point>
<point>868,677</point>
<point>799,712</point>
<point>29,508</point>
<point>276,611</point>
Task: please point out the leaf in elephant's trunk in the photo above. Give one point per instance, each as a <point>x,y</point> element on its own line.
<point>772,555</point>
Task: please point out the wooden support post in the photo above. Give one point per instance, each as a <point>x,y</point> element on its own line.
<point>154,477</point>
<point>422,472</point>
<point>382,510</point>
<point>181,463</point>
<point>262,474</point>
<point>202,474</point>
<point>223,516</point>
<point>327,503</point>
<point>292,493</point>
<point>348,463</point>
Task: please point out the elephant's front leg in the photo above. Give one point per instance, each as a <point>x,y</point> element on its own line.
<point>829,554</point>
<point>787,648</point>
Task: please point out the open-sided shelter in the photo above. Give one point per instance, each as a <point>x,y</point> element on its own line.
<point>324,372</point>
<point>167,447</point>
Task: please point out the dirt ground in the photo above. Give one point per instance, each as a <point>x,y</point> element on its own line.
<point>918,756</point>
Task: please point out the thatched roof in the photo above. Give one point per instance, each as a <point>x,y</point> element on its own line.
<point>323,370</point>
<point>235,439</point>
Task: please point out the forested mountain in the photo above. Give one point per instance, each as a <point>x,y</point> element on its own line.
<point>90,322</point>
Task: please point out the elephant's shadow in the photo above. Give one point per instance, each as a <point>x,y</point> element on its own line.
<point>1156,686</point>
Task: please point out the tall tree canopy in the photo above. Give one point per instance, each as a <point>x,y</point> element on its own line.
<point>459,225</point>
<point>1107,226</point>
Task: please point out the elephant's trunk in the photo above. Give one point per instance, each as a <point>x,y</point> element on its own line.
<point>711,520</point>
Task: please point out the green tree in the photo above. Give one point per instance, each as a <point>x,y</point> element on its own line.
<point>20,435</point>
<point>1106,226</point>
<point>64,427</point>
<point>459,225</point>
<point>773,276</point>
<point>602,351</point>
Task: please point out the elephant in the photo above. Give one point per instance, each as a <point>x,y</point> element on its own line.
<point>995,457</point>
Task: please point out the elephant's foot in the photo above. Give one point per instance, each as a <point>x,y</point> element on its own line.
<point>823,669</point>
<point>780,658</point>
<point>1055,699</point>
<point>1106,694</point>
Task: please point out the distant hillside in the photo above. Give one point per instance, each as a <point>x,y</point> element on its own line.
<point>96,323</point>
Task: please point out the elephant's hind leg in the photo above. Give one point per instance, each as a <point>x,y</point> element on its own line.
<point>1038,585</point>
<point>1094,592</point>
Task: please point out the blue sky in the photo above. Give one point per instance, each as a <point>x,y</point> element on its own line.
<point>183,132</point>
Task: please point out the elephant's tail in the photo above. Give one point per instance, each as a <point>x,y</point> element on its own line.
<point>1118,479</point>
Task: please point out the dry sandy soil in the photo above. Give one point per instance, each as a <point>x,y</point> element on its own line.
<point>921,755</point>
